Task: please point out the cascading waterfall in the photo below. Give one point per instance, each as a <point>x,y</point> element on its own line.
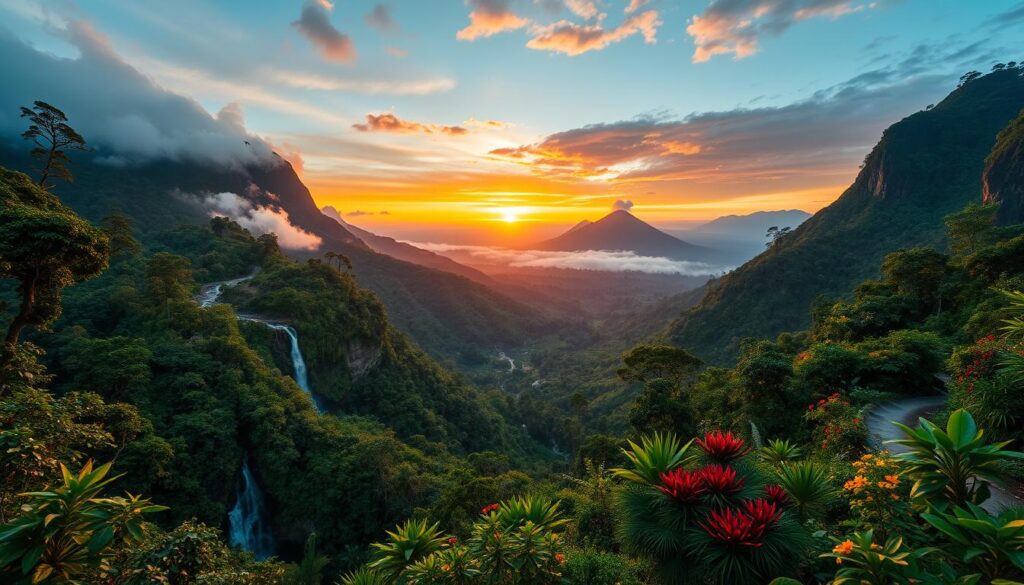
<point>247,524</point>
<point>298,364</point>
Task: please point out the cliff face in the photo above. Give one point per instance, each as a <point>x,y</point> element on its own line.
<point>1003,179</point>
<point>924,167</point>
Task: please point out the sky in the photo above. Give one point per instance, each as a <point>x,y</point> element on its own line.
<point>498,122</point>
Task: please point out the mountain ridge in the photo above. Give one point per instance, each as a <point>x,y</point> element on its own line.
<point>924,167</point>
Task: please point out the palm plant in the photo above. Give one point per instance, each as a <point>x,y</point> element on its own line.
<point>955,465</point>
<point>67,532</point>
<point>808,485</point>
<point>407,544</point>
<point>993,546</point>
<point>520,510</point>
<point>656,454</point>
<point>779,451</point>
<point>517,542</point>
<point>365,576</point>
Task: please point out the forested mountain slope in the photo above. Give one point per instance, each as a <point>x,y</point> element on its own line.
<point>925,166</point>
<point>1003,181</point>
<point>456,315</point>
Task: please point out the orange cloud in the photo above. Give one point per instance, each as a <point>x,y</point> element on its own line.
<point>635,5</point>
<point>487,124</point>
<point>586,9</point>
<point>574,39</point>
<point>388,122</point>
<point>734,26</point>
<point>490,17</point>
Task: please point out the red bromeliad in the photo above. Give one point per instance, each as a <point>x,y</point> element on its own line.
<point>721,479</point>
<point>765,514</point>
<point>682,485</point>
<point>746,527</point>
<point>490,508</point>
<point>776,495</point>
<point>723,447</point>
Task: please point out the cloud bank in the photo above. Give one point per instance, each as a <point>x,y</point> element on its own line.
<point>259,220</point>
<point>601,260</point>
<point>575,39</point>
<point>388,122</point>
<point>315,24</point>
<point>118,110</point>
<point>735,26</point>
<point>821,136</point>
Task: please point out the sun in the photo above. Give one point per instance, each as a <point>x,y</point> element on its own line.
<point>511,214</point>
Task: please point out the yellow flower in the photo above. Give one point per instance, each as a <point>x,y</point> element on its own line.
<point>866,457</point>
<point>844,548</point>
<point>875,546</point>
<point>839,561</point>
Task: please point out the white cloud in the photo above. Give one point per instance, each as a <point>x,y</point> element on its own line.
<point>599,260</point>
<point>259,219</point>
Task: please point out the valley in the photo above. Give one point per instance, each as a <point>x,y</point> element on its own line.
<point>331,294</point>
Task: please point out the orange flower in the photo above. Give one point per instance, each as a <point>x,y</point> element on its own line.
<point>559,558</point>
<point>446,567</point>
<point>844,548</point>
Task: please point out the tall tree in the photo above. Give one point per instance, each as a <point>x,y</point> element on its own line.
<point>45,247</point>
<point>53,137</point>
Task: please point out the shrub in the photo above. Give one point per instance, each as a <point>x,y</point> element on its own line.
<point>708,520</point>
<point>839,426</point>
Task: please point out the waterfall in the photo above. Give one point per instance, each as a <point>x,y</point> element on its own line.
<point>298,364</point>
<point>246,522</point>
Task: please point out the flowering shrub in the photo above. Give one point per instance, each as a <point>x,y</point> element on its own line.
<point>707,520</point>
<point>838,426</point>
<point>723,447</point>
<point>878,495</point>
<point>980,385</point>
<point>683,485</point>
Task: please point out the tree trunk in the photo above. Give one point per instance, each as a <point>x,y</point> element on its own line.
<point>28,301</point>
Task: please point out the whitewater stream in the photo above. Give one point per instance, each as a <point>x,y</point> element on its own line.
<point>247,523</point>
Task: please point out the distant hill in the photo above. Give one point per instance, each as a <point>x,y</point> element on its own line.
<point>741,237</point>
<point>749,227</point>
<point>924,167</point>
<point>1003,179</point>
<point>408,252</point>
<point>621,230</point>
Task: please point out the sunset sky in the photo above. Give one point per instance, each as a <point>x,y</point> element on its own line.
<point>496,121</point>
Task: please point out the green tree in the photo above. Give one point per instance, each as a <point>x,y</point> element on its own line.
<point>118,228</point>
<point>967,228</point>
<point>660,408</point>
<point>45,247</point>
<point>52,136</point>
<point>648,362</point>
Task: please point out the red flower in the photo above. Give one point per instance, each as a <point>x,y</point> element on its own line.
<point>453,540</point>
<point>723,446</point>
<point>733,527</point>
<point>490,508</point>
<point>682,485</point>
<point>765,514</point>
<point>720,479</point>
<point>776,495</point>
